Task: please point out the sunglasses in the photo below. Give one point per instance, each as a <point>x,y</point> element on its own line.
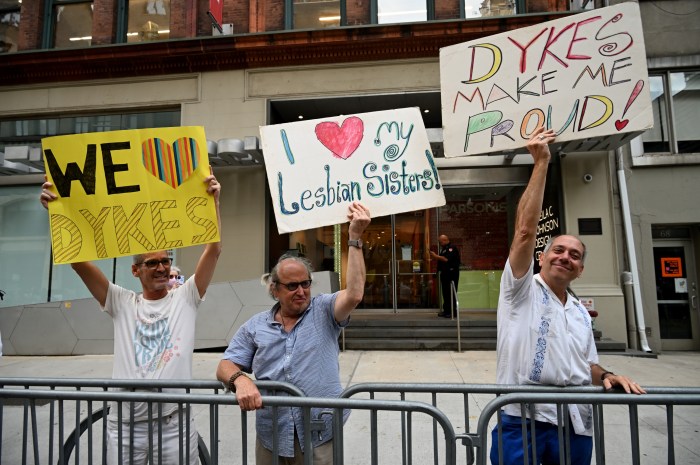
<point>294,286</point>
<point>154,262</point>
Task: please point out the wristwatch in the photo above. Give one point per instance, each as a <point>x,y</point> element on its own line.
<point>355,243</point>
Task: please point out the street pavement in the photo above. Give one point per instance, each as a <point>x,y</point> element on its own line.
<point>678,369</point>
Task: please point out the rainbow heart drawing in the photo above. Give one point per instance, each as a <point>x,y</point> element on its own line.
<point>170,164</point>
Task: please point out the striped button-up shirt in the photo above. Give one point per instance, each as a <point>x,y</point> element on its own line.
<point>306,357</point>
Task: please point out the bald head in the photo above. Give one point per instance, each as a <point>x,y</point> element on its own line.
<point>443,240</point>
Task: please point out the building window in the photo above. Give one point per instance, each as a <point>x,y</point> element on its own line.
<point>482,9</point>
<point>316,14</point>
<point>149,20</point>
<point>9,25</point>
<point>24,247</point>
<point>580,5</point>
<point>72,24</point>
<point>401,11</point>
<point>31,131</point>
<point>675,100</point>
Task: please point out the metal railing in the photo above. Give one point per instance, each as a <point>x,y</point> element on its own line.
<point>38,439</point>
<point>52,407</point>
<point>667,400</point>
<point>476,442</point>
<point>64,445</point>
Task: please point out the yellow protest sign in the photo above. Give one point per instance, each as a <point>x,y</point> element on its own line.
<point>128,192</point>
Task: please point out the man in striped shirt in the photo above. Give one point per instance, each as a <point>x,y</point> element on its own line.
<point>296,342</point>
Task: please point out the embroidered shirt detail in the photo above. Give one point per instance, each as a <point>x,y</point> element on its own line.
<point>584,313</point>
<point>540,350</point>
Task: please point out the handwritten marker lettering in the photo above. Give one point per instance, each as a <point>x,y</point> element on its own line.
<point>287,150</point>
<point>429,156</point>
<point>575,75</point>
<point>620,124</point>
<point>127,192</point>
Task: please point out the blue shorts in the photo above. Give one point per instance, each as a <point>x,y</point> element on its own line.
<point>547,443</point>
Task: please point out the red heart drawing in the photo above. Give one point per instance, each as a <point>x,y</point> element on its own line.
<point>620,125</point>
<point>342,140</point>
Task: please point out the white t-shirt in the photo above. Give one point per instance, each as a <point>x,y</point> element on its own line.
<point>153,339</point>
<point>541,341</point>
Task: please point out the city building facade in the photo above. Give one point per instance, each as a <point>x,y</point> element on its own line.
<point>69,66</point>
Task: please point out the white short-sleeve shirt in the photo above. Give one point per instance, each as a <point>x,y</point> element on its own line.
<point>542,342</point>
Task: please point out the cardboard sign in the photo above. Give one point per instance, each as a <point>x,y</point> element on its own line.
<point>317,168</point>
<point>128,192</point>
<point>585,76</point>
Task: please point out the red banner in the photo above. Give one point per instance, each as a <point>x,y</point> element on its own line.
<point>216,13</point>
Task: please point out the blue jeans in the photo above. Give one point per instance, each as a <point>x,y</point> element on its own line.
<point>547,443</point>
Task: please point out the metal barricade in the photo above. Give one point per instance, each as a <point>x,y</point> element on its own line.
<point>667,398</point>
<point>476,442</point>
<point>31,432</point>
<point>62,445</point>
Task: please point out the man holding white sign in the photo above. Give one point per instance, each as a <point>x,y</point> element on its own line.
<point>153,339</point>
<point>544,333</point>
<point>296,342</point>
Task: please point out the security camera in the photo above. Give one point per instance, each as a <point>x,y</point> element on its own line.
<point>587,178</point>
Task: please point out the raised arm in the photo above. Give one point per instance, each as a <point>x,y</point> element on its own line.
<point>210,256</point>
<point>530,205</point>
<point>96,282</point>
<point>351,296</point>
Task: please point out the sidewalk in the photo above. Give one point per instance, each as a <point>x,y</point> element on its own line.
<point>475,367</point>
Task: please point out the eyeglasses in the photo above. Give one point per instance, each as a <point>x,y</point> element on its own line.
<point>294,286</point>
<point>175,276</point>
<point>154,262</point>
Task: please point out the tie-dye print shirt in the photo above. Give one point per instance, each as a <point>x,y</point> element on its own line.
<point>153,339</point>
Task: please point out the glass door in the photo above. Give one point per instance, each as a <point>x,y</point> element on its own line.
<point>379,256</point>
<point>476,219</point>
<point>397,258</point>
<point>676,295</point>
<point>416,285</point>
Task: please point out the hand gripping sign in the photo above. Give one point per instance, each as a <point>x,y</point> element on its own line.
<point>316,168</point>
<point>128,192</point>
<point>585,76</point>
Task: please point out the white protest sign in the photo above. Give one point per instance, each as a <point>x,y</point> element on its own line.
<point>317,168</point>
<point>585,76</point>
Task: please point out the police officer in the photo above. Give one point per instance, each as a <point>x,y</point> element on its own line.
<point>448,269</point>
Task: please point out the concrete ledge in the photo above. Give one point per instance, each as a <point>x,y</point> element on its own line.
<point>78,327</point>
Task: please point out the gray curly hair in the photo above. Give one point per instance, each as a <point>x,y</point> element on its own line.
<point>270,280</point>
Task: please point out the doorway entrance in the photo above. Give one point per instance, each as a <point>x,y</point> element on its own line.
<point>397,258</point>
<point>676,290</point>
<point>401,276</point>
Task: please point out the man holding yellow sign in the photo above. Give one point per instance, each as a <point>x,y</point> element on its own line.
<point>154,331</point>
